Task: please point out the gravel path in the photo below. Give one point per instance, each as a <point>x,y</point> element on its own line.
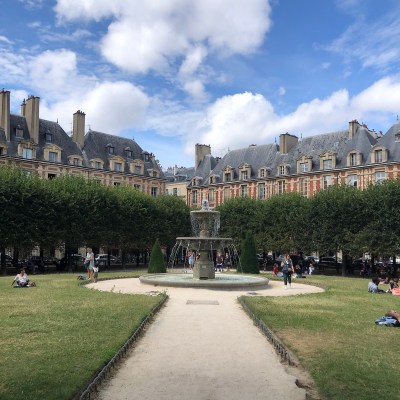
<point>201,346</point>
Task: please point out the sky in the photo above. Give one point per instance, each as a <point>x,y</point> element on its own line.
<point>226,73</point>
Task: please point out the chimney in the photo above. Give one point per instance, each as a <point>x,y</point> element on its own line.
<point>353,127</point>
<point>287,142</point>
<point>78,128</point>
<point>23,108</point>
<point>5,112</point>
<point>201,151</point>
<point>32,117</point>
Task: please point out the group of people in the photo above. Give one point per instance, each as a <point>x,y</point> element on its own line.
<point>373,285</point>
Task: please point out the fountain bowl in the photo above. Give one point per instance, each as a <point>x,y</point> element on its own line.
<point>223,281</point>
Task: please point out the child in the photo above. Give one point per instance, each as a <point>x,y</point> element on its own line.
<point>95,272</point>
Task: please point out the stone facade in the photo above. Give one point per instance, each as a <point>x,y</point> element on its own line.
<point>42,147</point>
<point>357,156</point>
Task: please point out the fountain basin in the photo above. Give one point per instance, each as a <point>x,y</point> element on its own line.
<point>223,281</point>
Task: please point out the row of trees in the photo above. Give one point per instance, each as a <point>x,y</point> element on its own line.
<point>72,212</point>
<point>339,218</point>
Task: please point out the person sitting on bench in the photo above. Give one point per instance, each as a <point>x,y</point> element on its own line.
<point>21,279</point>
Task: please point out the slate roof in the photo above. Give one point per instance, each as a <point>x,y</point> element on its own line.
<point>179,174</point>
<point>95,145</point>
<point>98,143</point>
<point>269,155</point>
<point>60,138</point>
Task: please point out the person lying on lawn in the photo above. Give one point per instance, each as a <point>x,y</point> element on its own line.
<point>393,314</point>
<point>21,278</point>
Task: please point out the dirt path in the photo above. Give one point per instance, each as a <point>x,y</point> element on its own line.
<point>201,346</point>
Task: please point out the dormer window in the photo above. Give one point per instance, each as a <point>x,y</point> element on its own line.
<point>146,157</point>
<point>128,152</point>
<point>327,161</point>
<point>53,156</point>
<point>110,148</point>
<point>304,167</point>
<point>245,171</point>
<point>48,137</point>
<point>327,164</point>
<point>228,174</point>
<point>118,167</point>
<point>19,133</point>
<point>283,169</point>
<point>352,160</point>
<point>304,164</point>
<point>379,155</point>
<point>397,137</point>
<point>27,153</point>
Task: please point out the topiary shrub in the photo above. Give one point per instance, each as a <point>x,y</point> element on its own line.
<point>248,257</point>
<point>156,263</point>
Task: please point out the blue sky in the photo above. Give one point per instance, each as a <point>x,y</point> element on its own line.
<point>228,73</point>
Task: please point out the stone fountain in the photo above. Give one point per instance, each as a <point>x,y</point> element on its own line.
<point>205,244</point>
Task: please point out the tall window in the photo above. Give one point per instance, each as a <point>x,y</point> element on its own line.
<point>211,195</point>
<point>243,190</point>
<point>261,191</point>
<point>118,167</point>
<point>353,159</point>
<point>243,175</point>
<point>380,176</point>
<point>227,176</point>
<point>327,181</point>
<point>262,173</point>
<point>281,187</point>
<point>194,197</point>
<point>110,150</point>
<point>136,186</point>
<point>138,169</point>
<point>27,153</point>
<point>97,164</point>
<point>352,180</point>
<point>175,191</point>
<point>282,170</point>
<point>227,193</point>
<point>303,187</point>
<point>49,137</point>
<point>378,156</point>
<point>76,161</point>
<point>304,167</point>
<point>154,191</point>
<point>327,164</point>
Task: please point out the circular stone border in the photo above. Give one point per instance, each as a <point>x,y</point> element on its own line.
<point>224,281</point>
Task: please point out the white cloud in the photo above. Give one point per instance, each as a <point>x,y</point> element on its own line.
<point>242,119</point>
<point>150,35</point>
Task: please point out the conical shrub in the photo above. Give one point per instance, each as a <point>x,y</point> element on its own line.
<point>156,263</point>
<point>248,258</point>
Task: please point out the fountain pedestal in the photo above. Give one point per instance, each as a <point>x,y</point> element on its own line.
<point>203,268</point>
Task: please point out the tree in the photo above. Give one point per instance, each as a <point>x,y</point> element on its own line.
<point>248,256</point>
<point>156,263</point>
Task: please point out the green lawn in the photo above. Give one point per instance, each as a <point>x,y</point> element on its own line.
<point>54,337</point>
<point>335,339</point>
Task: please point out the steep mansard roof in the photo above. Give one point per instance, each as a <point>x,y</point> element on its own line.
<point>269,155</point>
<point>95,144</point>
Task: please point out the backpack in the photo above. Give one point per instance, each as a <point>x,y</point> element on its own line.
<point>387,321</point>
<point>285,266</point>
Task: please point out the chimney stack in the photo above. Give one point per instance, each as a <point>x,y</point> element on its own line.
<point>5,112</point>
<point>78,128</point>
<point>353,127</point>
<point>287,142</point>
<point>32,117</point>
<point>201,151</point>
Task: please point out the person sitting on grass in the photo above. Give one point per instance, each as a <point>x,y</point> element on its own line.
<point>394,314</point>
<point>373,286</point>
<point>21,279</point>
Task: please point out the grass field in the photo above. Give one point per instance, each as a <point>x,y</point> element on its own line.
<point>334,337</point>
<point>54,337</point>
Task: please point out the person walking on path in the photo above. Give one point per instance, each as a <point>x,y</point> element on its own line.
<point>287,270</point>
<point>89,262</point>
